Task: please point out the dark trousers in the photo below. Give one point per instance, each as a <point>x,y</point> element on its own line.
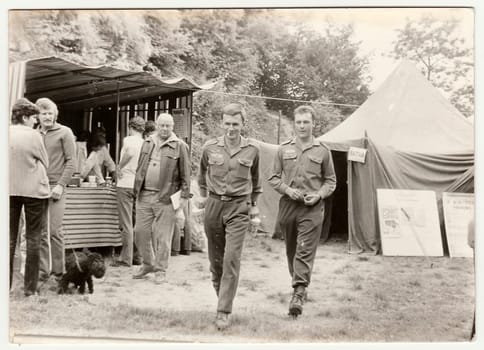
<point>35,216</point>
<point>301,228</point>
<point>226,224</point>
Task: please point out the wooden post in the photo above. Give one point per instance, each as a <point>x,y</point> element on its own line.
<point>117,123</point>
<point>279,128</point>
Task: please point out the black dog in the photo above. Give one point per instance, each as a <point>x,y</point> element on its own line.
<point>80,267</point>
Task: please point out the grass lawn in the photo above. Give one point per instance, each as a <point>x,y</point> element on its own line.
<point>352,298</point>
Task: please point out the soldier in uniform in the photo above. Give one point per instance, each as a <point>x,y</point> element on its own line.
<point>229,176</point>
<point>303,173</point>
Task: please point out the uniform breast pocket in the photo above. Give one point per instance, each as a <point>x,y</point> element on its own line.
<point>217,166</point>
<point>243,168</point>
<point>314,166</point>
<point>289,161</point>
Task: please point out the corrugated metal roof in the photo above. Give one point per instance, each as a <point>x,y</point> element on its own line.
<point>74,85</point>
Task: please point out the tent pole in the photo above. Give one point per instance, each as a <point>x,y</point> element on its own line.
<point>190,94</point>
<point>117,122</point>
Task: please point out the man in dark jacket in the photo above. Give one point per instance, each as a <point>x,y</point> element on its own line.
<point>163,170</point>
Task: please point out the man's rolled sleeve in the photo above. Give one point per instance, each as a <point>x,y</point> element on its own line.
<point>329,176</point>
<point>275,180</point>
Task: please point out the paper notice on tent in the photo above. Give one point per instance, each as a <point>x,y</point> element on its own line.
<point>409,223</point>
<point>458,211</point>
<point>356,154</point>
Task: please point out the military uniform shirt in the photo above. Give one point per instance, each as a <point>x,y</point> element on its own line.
<point>235,174</point>
<point>309,170</point>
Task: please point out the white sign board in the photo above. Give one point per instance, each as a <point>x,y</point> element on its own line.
<point>409,223</point>
<point>356,154</point>
<point>458,212</point>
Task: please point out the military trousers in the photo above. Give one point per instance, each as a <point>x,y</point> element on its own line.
<point>301,227</point>
<point>226,223</point>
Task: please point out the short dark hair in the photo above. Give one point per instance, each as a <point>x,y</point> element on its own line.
<point>150,126</point>
<point>306,109</point>
<point>233,109</point>
<point>84,136</point>
<point>96,141</point>
<point>137,123</point>
<point>23,108</point>
<point>100,130</point>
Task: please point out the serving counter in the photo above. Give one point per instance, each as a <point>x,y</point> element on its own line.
<point>91,217</point>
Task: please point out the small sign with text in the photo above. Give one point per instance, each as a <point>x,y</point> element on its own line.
<point>356,154</point>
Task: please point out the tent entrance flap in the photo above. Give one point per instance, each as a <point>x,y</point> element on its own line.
<point>336,206</point>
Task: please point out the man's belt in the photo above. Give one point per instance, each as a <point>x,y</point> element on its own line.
<point>226,198</point>
<point>149,190</point>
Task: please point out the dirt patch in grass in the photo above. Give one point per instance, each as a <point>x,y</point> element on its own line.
<point>350,299</point>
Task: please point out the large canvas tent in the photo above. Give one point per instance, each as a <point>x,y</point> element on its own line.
<point>415,140</point>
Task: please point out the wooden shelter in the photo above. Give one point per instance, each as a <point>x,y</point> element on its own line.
<point>103,96</point>
<point>92,97</point>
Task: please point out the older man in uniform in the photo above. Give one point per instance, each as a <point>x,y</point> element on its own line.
<point>229,172</point>
<point>304,174</point>
<point>163,169</point>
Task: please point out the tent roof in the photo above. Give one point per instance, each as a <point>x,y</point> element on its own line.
<point>69,83</point>
<point>408,113</point>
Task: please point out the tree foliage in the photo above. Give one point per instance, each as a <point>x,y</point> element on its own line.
<point>443,56</point>
<point>248,52</point>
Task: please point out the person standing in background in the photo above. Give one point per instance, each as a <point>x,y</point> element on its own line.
<point>163,170</point>
<point>150,128</point>
<point>99,161</point>
<point>124,189</point>
<point>59,142</point>
<point>29,188</point>
<point>304,174</point>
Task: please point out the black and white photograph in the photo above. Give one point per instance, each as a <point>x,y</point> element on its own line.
<point>240,174</point>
